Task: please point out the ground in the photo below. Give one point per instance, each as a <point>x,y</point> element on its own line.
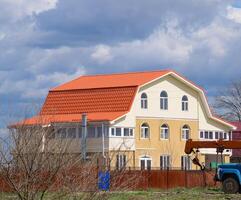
<point>174,194</point>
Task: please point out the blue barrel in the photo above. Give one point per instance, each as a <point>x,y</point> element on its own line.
<point>104,180</point>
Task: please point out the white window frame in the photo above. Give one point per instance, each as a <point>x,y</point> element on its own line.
<point>185,132</point>
<point>163,101</point>
<point>121,161</point>
<point>122,132</point>
<point>145,159</point>
<point>185,103</point>
<point>163,134</point>
<point>164,159</point>
<point>214,133</point>
<point>129,132</point>
<point>186,162</point>
<point>144,101</point>
<point>143,133</point>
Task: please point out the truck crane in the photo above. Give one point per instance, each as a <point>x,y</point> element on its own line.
<point>228,174</point>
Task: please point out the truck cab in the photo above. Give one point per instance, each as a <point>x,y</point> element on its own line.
<point>230,176</point>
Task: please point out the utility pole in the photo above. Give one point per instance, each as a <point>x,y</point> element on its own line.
<point>84,135</point>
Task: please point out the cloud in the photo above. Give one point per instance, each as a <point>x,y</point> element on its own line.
<point>44,43</point>
<point>17,10</point>
<point>234,14</point>
<point>38,86</point>
<point>102,54</point>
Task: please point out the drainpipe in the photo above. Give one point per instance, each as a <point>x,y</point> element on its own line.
<point>84,134</point>
<point>103,141</point>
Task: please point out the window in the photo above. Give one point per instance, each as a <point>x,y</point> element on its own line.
<point>112,131</point>
<point>91,132</point>
<point>128,132</point>
<point>145,163</point>
<point>185,132</point>
<point>61,133</point>
<point>144,101</point>
<point>118,132</point>
<point>71,133</point>
<point>120,162</point>
<point>210,135</point>
<point>213,135</point>
<point>164,100</point>
<point>184,103</point>
<point>206,134</point>
<point>186,163</point>
<point>145,130</point>
<point>165,162</point>
<point>99,131</point>
<point>164,132</point>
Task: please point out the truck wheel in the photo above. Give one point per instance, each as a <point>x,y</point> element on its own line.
<point>230,185</point>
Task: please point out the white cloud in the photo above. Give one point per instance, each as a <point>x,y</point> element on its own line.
<point>21,8</point>
<point>102,54</point>
<point>2,36</point>
<point>60,77</point>
<point>37,87</point>
<point>170,45</point>
<point>234,13</point>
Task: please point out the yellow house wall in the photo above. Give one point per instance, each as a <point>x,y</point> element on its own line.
<point>155,147</point>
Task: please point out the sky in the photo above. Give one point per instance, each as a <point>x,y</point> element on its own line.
<point>44,43</point>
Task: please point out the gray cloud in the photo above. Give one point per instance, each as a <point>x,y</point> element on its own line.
<point>46,42</point>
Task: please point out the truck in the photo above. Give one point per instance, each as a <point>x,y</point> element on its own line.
<point>228,174</point>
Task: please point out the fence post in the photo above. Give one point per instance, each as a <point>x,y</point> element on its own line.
<point>204,178</point>
<point>167,177</point>
<point>185,177</point>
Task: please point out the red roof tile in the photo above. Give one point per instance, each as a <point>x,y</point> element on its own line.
<point>92,117</point>
<point>111,80</point>
<point>89,101</point>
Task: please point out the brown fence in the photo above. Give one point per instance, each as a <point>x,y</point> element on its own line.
<point>167,179</point>
<point>137,180</point>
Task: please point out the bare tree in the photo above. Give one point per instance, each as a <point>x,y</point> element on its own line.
<point>34,163</point>
<point>228,103</point>
<point>30,160</point>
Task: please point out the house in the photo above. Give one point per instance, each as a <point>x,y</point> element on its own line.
<point>147,117</point>
<point>236,135</point>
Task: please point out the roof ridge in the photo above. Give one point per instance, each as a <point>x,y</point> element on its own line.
<point>96,88</point>
<point>131,72</point>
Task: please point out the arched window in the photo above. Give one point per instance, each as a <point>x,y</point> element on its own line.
<point>164,132</point>
<point>185,132</point>
<point>184,103</point>
<point>144,101</point>
<point>145,163</point>
<point>164,100</point>
<point>145,130</point>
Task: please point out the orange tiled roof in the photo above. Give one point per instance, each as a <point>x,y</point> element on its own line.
<point>92,117</point>
<point>102,97</point>
<point>89,101</point>
<point>111,80</point>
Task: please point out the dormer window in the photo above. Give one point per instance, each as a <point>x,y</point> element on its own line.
<point>143,101</point>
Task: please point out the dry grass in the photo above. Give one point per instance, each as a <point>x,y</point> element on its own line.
<point>174,194</point>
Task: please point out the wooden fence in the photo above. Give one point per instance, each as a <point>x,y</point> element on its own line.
<point>141,180</point>
<point>167,179</point>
